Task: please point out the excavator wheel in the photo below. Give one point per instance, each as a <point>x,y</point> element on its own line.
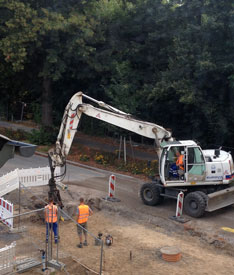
<point>204,195</point>
<point>195,204</point>
<point>150,194</point>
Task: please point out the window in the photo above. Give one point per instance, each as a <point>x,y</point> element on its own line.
<point>196,163</point>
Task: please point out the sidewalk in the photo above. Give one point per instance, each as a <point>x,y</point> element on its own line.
<point>16,126</point>
<point>137,151</point>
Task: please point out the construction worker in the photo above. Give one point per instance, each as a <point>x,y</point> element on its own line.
<point>83,213</point>
<point>51,218</point>
<point>180,160</point>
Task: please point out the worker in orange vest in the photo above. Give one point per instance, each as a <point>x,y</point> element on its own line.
<point>83,213</point>
<point>51,218</point>
<point>180,160</point>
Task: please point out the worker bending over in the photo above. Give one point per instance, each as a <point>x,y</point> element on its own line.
<point>83,213</point>
<point>51,218</point>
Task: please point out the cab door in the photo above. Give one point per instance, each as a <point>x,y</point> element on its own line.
<point>195,164</point>
<point>162,163</point>
<point>169,174</point>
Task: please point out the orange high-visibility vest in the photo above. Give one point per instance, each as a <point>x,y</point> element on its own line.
<point>51,213</point>
<point>83,213</point>
<point>180,162</point>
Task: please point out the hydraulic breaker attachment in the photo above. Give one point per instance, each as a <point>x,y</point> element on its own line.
<point>220,199</point>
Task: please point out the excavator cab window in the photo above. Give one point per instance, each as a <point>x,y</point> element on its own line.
<point>196,164</point>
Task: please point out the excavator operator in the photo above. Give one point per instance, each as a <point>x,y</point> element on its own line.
<point>180,161</point>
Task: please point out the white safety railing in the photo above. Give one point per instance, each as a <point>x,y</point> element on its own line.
<point>28,177</point>
<point>9,182</point>
<point>7,259</point>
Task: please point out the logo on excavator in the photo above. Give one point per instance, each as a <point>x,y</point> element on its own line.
<point>98,115</point>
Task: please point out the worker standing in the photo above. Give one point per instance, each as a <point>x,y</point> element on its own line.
<point>83,213</point>
<point>51,218</point>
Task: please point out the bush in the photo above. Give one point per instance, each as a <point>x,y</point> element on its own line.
<point>99,158</point>
<point>84,158</point>
<point>44,136</point>
<point>16,135</point>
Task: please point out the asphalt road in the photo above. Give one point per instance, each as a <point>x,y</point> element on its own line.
<point>127,191</point>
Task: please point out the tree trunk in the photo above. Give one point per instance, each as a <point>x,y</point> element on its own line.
<point>46,118</point>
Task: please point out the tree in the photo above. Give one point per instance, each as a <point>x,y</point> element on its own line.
<point>45,40</point>
<point>198,78</point>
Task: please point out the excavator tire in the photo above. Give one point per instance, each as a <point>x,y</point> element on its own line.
<point>205,197</point>
<point>195,204</point>
<point>150,194</point>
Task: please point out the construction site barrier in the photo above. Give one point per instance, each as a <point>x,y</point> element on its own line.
<point>28,177</point>
<point>179,206</point>
<point>9,182</point>
<point>112,186</point>
<point>7,259</point>
<point>6,211</point>
<point>27,256</point>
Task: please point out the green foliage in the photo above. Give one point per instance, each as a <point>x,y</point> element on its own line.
<point>15,135</point>
<point>99,158</point>
<point>169,62</point>
<point>84,157</point>
<point>36,110</point>
<point>43,136</point>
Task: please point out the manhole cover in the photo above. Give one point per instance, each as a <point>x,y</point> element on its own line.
<point>171,253</point>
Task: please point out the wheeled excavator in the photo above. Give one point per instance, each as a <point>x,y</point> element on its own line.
<point>206,178</point>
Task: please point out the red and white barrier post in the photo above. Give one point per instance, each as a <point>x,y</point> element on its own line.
<point>179,206</point>
<point>112,186</point>
<point>6,211</point>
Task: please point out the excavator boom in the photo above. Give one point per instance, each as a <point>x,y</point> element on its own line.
<point>72,115</point>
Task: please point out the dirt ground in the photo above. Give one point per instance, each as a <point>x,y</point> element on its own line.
<point>136,241</point>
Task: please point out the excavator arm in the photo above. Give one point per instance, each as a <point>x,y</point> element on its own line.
<point>125,121</point>
<point>72,115</point>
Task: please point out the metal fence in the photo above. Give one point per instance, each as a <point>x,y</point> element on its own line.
<point>22,254</point>
<point>7,259</point>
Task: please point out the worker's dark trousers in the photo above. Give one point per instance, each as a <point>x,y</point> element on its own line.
<point>55,230</point>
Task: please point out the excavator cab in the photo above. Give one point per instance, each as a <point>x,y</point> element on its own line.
<point>182,162</point>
